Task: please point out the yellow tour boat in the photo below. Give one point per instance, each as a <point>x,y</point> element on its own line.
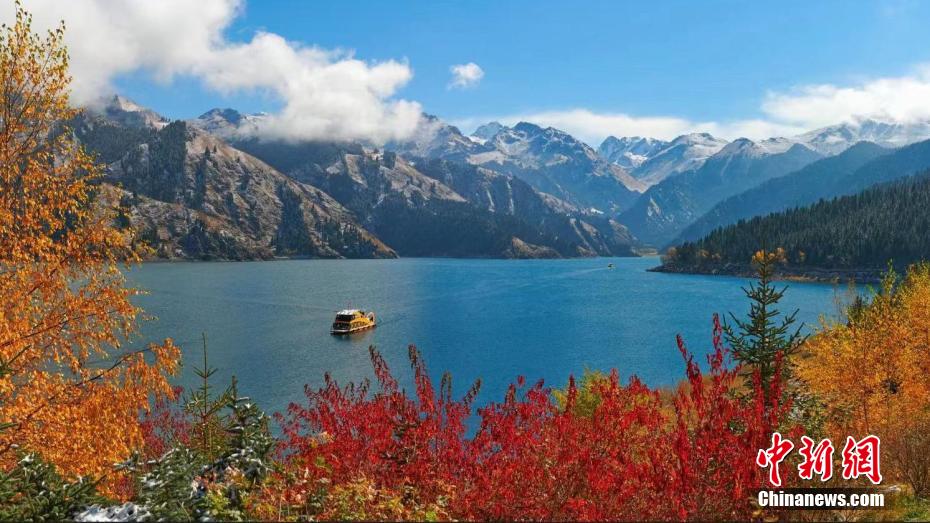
<point>353,320</point>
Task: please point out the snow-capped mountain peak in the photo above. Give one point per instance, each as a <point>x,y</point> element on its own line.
<point>630,152</point>
<point>769,146</point>
<point>659,159</point>
<point>835,139</point>
<point>531,144</point>
<point>742,147</point>
<point>228,123</point>
<point>127,112</point>
<point>227,115</point>
<point>435,138</point>
<point>550,160</point>
<point>777,145</point>
<point>124,104</point>
<point>705,139</point>
<point>487,131</point>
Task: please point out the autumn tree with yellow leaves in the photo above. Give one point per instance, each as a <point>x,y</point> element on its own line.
<point>872,374</point>
<point>68,389</point>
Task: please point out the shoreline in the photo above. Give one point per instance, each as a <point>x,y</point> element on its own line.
<point>812,274</point>
<point>291,258</point>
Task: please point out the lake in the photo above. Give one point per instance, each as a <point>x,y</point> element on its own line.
<point>268,322</point>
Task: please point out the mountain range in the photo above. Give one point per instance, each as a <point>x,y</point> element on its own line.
<point>837,138</point>
<point>214,187</point>
<point>550,160</point>
<point>671,205</point>
<point>652,161</point>
<point>637,153</point>
<point>208,188</point>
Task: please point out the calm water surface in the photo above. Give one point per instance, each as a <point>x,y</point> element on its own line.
<point>268,322</point>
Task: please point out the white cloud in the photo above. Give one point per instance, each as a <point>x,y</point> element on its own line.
<point>334,95</point>
<point>465,75</point>
<point>324,94</point>
<point>900,99</point>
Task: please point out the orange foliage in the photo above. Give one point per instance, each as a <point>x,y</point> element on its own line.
<point>66,388</point>
<point>873,373</point>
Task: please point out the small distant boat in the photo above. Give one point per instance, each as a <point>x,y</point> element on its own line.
<point>353,320</point>
<point>610,266</point>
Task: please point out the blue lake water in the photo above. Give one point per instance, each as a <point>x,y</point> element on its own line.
<point>268,322</point>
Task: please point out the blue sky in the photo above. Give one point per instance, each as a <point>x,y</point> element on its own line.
<point>706,64</point>
<point>702,60</point>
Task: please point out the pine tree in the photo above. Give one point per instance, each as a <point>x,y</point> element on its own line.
<point>33,490</point>
<point>228,457</point>
<point>757,341</point>
<point>209,432</point>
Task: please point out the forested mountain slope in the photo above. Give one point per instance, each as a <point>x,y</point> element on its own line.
<point>857,168</point>
<point>859,233</point>
<point>807,185</point>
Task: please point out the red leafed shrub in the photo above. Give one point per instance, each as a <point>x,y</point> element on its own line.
<point>639,455</point>
<point>538,461</point>
<point>717,435</point>
<point>402,442</point>
<point>165,425</point>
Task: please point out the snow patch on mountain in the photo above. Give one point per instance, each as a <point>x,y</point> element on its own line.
<point>487,131</point>
<point>837,138</point>
<point>630,152</point>
<point>230,123</point>
<point>685,153</point>
<point>127,112</point>
<point>435,138</point>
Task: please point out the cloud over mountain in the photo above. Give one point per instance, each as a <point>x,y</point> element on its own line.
<point>323,93</point>
<point>331,94</point>
<point>903,99</point>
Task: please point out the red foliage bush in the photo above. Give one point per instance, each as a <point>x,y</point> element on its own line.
<point>165,425</point>
<point>637,457</point>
